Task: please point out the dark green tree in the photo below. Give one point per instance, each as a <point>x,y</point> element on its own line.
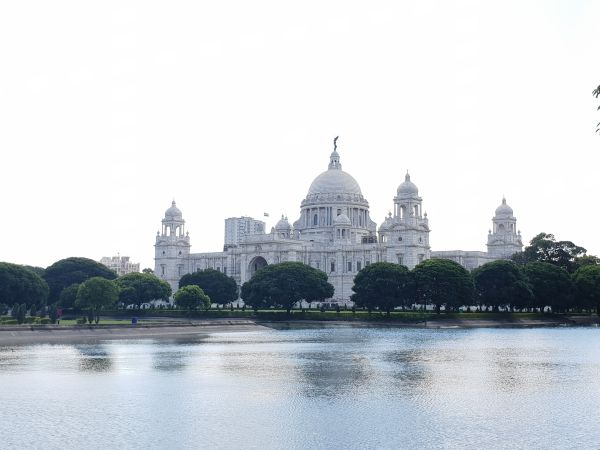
<point>21,312</point>
<point>545,248</point>
<point>283,285</point>
<point>192,297</point>
<point>40,271</point>
<point>148,270</point>
<point>382,285</point>
<point>14,311</point>
<point>68,271</point>
<point>68,295</point>
<point>53,313</point>
<point>138,288</point>
<point>587,287</point>
<point>502,283</point>
<point>19,284</point>
<point>442,282</point>
<point>219,287</point>
<point>3,309</point>
<point>551,286</point>
<point>33,310</point>
<point>95,294</point>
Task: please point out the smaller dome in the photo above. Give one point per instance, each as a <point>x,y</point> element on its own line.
<point>408,187</point>
<point>387,223</point>
<point>342,219</point>
<point>283,224</point>
<point>173,212</point>
<point>504,209</point>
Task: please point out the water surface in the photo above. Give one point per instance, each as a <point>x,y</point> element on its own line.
<point>347,388</point>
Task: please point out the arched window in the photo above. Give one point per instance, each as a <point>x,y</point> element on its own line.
<point>315,220</point>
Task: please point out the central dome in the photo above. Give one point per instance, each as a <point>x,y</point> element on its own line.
<point>334,180</point>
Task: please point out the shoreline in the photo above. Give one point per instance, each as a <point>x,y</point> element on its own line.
<point>57,334</point>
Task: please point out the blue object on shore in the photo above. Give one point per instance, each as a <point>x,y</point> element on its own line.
<point>134,321</point>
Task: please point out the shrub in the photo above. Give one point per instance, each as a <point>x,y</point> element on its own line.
<point>44,321</point>
<point>9,322</point>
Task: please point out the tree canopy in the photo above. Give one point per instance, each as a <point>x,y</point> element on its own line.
<point>283,285</point>
<point>20,284</point>
<point>137,288</point>
<point>219,287</point>
<point>442,282</point>
<point>551,285</point>
<point>68,296</point>
<point>192,297</point>
<point>383,285</point>
<point>502,283</point>
<point>97,293</point>
<point>587,287</point>
<point>545,248</point>
<point>72,270</point>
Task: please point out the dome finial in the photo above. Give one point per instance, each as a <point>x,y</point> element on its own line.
<point>334,158</point>
<point>407,176</point>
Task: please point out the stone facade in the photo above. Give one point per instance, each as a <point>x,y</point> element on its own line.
<point>334,233</point>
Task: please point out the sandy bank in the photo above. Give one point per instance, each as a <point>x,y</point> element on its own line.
<point>25,334</point>
<point>56,334</point>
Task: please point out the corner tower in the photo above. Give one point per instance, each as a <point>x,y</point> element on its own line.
<point>172,248</point>
<point>406,232</point>
<point>504,240</point>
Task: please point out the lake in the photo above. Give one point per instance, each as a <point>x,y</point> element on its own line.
<point>343,387</point>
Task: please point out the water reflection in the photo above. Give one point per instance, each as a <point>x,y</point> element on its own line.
<point>94,358</point>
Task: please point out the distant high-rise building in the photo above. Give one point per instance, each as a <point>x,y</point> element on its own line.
<point>120,264</point>
<point>237,228</point>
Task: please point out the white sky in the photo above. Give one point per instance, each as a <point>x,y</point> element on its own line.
<point>109,110</point>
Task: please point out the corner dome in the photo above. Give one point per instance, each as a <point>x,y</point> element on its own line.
<point>504,209</point>
<point>283,224</point>
<point>408,187</point>
<point>387,223</point>
<point>173,213</point>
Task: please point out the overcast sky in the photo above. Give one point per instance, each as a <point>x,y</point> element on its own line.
<point>110,110</point>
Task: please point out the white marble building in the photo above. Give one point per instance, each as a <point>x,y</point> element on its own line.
<point>334,233</point>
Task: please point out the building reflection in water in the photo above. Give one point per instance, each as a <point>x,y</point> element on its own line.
<point>94,358</point>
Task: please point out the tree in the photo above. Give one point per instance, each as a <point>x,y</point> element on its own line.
<point>587,287</point>
<point>68,271</point>
<point>33,310</point>
<point>500,283</point>
<point>219,287</point>
<point>147,270</point>
<point>53,314</point>
<point>192,297</point>
<point>442,282</point>
<point>21,312</point>
<point>551,286</point>
<point>19,284</point>
<point>68,296</point>
<point>141,288</point>
<point>545,248</point>
<point>95,294</point>
<point>40,271</point>
<point>382,285</point>
<point>283,285</point>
